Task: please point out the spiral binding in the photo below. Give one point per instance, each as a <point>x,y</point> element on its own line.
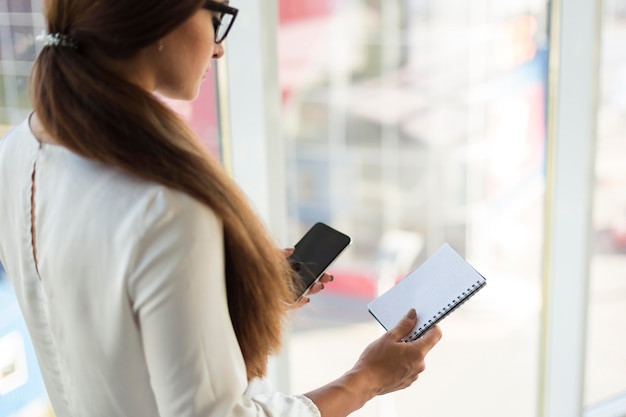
<point>452,305</point>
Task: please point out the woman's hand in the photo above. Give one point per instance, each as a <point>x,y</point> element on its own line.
<point>388,364</point>
<point>391,364</point>
<point>315,288</point>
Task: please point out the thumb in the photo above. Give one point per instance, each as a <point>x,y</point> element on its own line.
<point>404,326</point>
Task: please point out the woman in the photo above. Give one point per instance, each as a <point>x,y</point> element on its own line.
<point>148,285</point>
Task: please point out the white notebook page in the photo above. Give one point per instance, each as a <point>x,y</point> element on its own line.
<point>434,289</point>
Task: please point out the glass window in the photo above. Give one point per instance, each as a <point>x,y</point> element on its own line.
<point>21,387</point>
<point>410,124</point>
<point>5,43</point>
<point>3,110</point>
<point>23,43</point>
<point>20,6</point>
<point>23,97</point>
<point>17,53</point>
<point>606,367</point>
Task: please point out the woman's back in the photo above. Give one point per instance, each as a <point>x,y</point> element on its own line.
<point>95,231</point>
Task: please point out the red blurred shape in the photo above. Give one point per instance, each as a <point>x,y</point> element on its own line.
<point>352,283</point>
<point>294,10</point>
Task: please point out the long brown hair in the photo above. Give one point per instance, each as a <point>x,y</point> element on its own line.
<point>99,115</point>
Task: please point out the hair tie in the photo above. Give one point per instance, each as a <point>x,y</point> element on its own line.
<point>57,39</point>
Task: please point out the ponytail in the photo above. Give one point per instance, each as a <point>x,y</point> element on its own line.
<point>101,116</point>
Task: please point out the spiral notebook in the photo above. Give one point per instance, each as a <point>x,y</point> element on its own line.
<point>434,289</point>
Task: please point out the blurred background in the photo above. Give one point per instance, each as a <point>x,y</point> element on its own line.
<point>407,124</point>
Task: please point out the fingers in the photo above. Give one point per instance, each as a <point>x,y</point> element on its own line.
<point>302,301</point>
<point>320,284</point>
<point>404,326</point>
<point>326,278</point>
<point>315,288</point>
<point>430,339</point>
<point>392,364</point>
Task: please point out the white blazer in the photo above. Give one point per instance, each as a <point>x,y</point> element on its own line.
<point>126,305</point>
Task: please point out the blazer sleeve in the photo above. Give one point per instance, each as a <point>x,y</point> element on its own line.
<point>178,295</point>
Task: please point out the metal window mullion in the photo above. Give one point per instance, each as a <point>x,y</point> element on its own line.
<point>253,97</point>
<point>257,154</point>
<point>572,108</point>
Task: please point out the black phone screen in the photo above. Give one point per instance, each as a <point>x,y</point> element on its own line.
<point>317,249</point>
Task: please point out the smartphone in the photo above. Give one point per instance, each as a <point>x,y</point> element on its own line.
<point>314,253</point>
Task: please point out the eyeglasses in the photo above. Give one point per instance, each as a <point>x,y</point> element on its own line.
<point>224,22</point>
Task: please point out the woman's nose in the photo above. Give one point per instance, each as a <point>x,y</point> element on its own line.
<point>218,51</point>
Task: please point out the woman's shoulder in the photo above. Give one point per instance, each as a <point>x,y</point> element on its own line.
<point>121,202</point>
<point>15,137</point>
<point>148,204</point>
<point>163,203</point>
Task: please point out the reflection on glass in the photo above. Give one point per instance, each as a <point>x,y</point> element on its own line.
<point>606,365</point>
<point>3,111</point>
<point>21,386</point>
<point>17,53</point>
<point>23,43</point>
<point>421,122</point>
<point>20,6</point>
<point>23,97</point>
<point>5,45</point>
